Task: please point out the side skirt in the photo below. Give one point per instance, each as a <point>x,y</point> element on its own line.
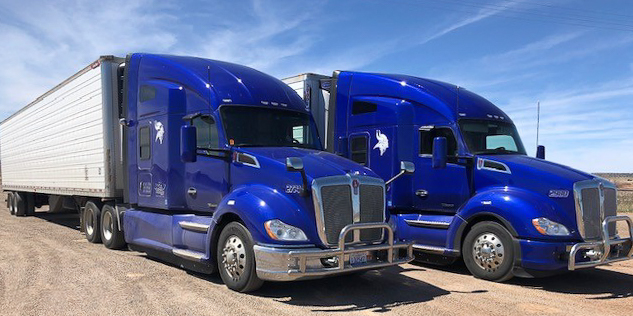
<point>200,267</point>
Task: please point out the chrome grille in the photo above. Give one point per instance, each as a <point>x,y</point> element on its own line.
<point>343,200</point>
<point>610,207</point>
<point>595,200</point>
<point>337,211</point>
<point>372,209</point>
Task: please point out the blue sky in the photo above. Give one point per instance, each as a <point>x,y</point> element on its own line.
<point>576,57</point>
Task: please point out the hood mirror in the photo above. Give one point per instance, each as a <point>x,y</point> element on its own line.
<point>295,164</point>
<point>540,152</point>
<point>406,167</point>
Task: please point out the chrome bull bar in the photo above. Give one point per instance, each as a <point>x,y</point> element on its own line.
<point>277,264</point>
<point>604,246</point>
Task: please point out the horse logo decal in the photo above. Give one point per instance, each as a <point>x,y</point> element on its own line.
<point>383,142</point>
<point>160,132</point>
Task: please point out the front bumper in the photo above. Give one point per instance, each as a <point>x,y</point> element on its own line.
<point>603,250</point>
<point>284,264</point>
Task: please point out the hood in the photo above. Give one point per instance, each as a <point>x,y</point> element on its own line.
<point>525,168</point>
<point>316,163</point>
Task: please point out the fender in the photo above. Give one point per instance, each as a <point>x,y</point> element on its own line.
<point>255,204</point>
<point>514,208</point>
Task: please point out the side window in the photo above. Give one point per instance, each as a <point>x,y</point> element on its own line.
<point>206,132</point>
<point>145,143</point>
<point>361,107</point>
<point>427,137</point>
<point>358,146</point>
<point>298,133</point>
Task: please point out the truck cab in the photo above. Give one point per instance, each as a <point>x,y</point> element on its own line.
<point>225,170</point>
<point>475,193</point>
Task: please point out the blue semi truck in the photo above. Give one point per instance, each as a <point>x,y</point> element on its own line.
<point>475,193</point>
<point>205,164</point>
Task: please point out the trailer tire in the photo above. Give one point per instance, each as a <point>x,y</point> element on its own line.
<point>488,252</point>
<point>19,205</point>
<point>10,203</point>
<point>111,235</point>
<point>29,204</point>
<point>91,216</point>
<point>236,259</point>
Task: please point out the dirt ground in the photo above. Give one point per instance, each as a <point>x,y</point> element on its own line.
<point>48,268</point>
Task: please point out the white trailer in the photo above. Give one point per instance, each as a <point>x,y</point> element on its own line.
<point>67,142</point>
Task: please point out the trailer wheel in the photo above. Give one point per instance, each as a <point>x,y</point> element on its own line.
<point>111,235</point>
<point>19,205</point>
<point>236,259</point>
<point>488,252</point>
<point>91,219</point>
<point>10,203</point>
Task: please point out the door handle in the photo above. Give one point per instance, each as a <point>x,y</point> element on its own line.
<point>422,193</point>
<point>192,191</point>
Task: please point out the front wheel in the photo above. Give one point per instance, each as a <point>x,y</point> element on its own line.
<point>488,252</point>
<point>236,259</point>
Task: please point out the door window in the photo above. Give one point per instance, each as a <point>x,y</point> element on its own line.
<point>206,132</point>
<point>427,137</point>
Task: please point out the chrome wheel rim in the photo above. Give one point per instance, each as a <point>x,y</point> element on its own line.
<point>234,257</point>
<point>89,220</point>
<point>108,225</point>
<point>488,252</point>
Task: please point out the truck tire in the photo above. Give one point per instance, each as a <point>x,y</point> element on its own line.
<point>488,252</point>
<point>10,203</point>
<point>19,205</point>
<point>111,235</point>
<point>91,216</point>
<point>29,204</point>
<point>236,259</point>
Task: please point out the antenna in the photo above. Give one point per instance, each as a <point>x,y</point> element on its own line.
<point>538,119</point>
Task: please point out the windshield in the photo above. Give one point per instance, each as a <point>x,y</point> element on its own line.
<point>491,137</point>
<point>247,126</point>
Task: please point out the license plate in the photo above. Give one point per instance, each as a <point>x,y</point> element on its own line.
<point>358,258</point>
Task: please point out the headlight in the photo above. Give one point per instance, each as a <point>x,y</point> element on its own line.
<point>548,227</point>
<point>279,230</point>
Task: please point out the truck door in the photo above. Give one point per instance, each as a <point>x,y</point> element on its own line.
<point>441,190</point>
<point>206,180</point>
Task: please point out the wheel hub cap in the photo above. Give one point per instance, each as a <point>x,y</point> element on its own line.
<point>108,226</point>
<point>234,257</point>
<point>488,252</point>
<point>89,222</point>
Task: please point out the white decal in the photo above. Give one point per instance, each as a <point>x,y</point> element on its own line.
<point>383,142</point>
<point>160,132</point>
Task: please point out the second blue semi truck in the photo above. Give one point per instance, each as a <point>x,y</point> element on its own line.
<point>206,164</point>
<point>475,194</point>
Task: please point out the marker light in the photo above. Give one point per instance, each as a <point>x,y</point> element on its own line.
<point>550,228</point>
<point>279,230</point>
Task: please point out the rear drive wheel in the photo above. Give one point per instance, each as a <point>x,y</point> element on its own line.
<point>236,259</point>
<point>488,252</point>
<point>19,205</point>
<point>10,203</point>
<point>111,235</point>
<point>91,220</point>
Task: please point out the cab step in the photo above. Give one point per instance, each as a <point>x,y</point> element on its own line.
<point>194,227</point>
<point>188,254</point>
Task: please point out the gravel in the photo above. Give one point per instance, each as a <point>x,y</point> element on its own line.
<point>48,268</point>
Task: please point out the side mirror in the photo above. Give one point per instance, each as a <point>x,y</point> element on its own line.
<point>188,144</point>
<point>440,155</point>
<point>294,164</point>
<point>540,152</point>
<point>406,167</point>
